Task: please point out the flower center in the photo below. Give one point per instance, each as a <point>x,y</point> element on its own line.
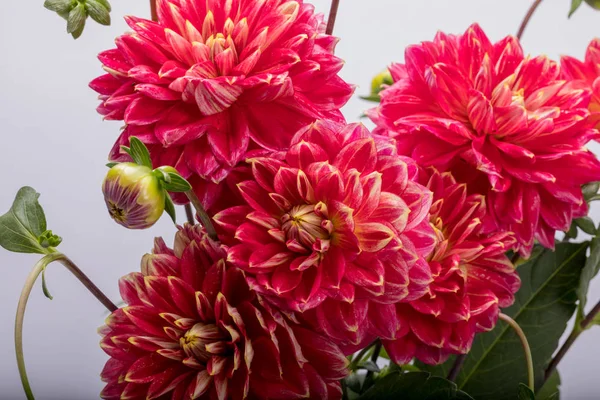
<point>203,341</point>
<point>307,223</point>
<point>116,212</point>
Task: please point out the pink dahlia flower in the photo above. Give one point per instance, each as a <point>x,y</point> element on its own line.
<point>332,224</point>
<point>505,123</point>
<point>472,278</point>
<point>588,71</point>
<point>212,79</point>
<point>192,329</point>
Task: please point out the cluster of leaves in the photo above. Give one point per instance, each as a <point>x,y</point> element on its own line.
<point>76,13</point>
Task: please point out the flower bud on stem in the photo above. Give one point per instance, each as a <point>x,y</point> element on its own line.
<point>39,268</point>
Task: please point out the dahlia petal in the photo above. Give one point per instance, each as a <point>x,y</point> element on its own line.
<point>360,155</point>
<point>373,236</point>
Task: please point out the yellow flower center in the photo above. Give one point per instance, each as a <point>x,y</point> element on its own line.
<point>306,223</point>
<point>203,341</point>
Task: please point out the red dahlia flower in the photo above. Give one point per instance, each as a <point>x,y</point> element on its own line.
<point>587,70</point>
<point>335,222</point>
<point>506,124</point>
<point>212,79</point>
<point>193,330</point>
<point>472,278</point>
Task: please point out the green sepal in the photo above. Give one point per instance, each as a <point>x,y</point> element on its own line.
<point>45,286</point>
<point>98,12</point>
<point>595,4</point>
<point>373,97</point>
<point>58,6</point>
<point>572,232</point>
<point>138,152</point>
<point>574,6</point>
<point>587,225</point>
<point>76,20</point>
<point>111,164</point>
<point>23,224</point>
<point>172,181</point>
<point>170,208</point>
<point>105,4</point>
<point>49,239</point>
<point>590,190</point>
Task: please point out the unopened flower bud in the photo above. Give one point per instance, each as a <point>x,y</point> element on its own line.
<point>133,195</point>
<point>378,82</point>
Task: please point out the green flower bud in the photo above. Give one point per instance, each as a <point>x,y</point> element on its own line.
<point>134,195</point>
<point>381,79</point>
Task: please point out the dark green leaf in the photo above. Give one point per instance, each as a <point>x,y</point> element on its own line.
<point>550,390</point>
<point>587,225</point>
<point>111,164</point>
<point>572,232</point>
<point>574,6</point>
<point>546,301</point>
<point>23,224</point>
<point>98,12</point>
<point>76,20</point>
<point>353,383</point>
<point>590,270</point>
<point>44,286</point>
<point>59,6</point>
<point>414,386</point>
<point>139,152</point>
<point>177,184</point>
<point>525,392</point>
<point>170,208</point>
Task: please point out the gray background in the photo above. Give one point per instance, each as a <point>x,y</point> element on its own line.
<point>54,141</point>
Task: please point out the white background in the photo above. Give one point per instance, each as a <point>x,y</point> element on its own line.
<point>53,140</point>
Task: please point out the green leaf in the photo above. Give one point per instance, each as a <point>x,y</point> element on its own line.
<point>590,189</point>
<point>414,386</point>
<point>76,20</point>
<point>546,301</point>
<point>587,225</point>
<point>139,152</point>
<point>572,232</point>
<point>594,4</point>
<point>23,224</point>
<point>574,6</point>
<point>590,270</point>
<point>525,392</point>
<point>170,208</point>
<point>550,390</point>
<point>111,164</point>
<point>106,4</point>
<point>177,183</point>
<point>59,6</point>
<point>372,97</point>
<point>98,12</point>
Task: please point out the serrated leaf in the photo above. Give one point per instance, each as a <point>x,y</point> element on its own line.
<point>59,6</point>
<point>414,386</point>
<point>551,389</point>
<point>139,152</point>
<point>590,270</point>
<point>23,224</point>
<point>587,225</point>
<point>574,6</point>
<point>76,20</point>
<point>170,208</point>
<point>98,12</point>
<point>525,393</point>
<point>546,301</point>
<point>177,184</point>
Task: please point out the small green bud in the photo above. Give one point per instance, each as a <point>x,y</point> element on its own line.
<point>381,81</point>
<point>76,20</point>
<point>48,239</point>
<point>134,196</point>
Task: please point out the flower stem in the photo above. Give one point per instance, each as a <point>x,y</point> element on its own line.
<point>528,16</point>
<point>39,268</point>
<point>202,215</point>
<point>153,12</point>
<point>526,349</point>
<point>577,330</point>
<point>374,357</point>
<point>456,367</point>
<point>189,214</point>
<point>332,16</point>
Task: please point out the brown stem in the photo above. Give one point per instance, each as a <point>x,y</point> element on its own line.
<point>585,323</point>
<point>332,16</point>
<point>153,12</point>
<point>202,215</point>
<point>189,214</point>
<point>455,370</point>
<point>528,16</point>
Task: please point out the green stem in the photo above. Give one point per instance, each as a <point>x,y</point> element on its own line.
<point>526,349</point>
<point>39,267</point>
<point>356,360</point>
<point>202,215</point>
<point>374,357</point>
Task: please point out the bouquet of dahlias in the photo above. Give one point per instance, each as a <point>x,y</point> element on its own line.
<point>321,259</point>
